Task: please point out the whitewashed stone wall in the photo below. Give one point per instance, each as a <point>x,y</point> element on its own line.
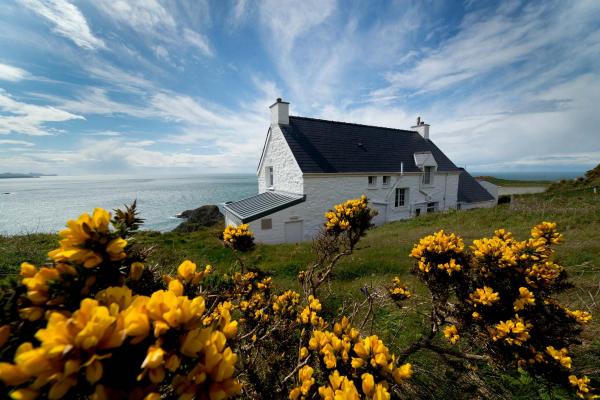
<point>323,191</point>
<point>482,204</point>
<point>287,176</point>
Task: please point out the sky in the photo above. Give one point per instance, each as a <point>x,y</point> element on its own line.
<point>150,86</point>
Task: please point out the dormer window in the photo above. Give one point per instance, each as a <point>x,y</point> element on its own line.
<point>269,177</point>
<point>428,175</point>
<point>386,180</point>
<point>372,181</point>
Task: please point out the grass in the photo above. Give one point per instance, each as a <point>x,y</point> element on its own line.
<point>514,183</point>
<point>383,254</point>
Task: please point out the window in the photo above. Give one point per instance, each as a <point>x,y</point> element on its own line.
<point>269,176</point>
<point>431,207</point>
<point>386,180</point>
<point>266,223</point>
<point>427,175</point>
<point>400,200</point>
<point>372,181</point>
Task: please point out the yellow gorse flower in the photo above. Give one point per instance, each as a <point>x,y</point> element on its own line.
<point>513,331</point>
<point>484,296</point>
<point>582,385</point>
<point>561,356</point>
<point>398,291</point>
<point>525,298</point>
<point>238,237</point>
<point>74,246</point>
<point>451,333</point>
<point>546,231</point>
<point>582,317</point>
<point>343,217</point>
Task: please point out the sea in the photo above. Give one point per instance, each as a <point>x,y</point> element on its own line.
<point>41,205</point>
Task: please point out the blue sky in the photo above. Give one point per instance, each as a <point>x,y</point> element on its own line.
<point>149,86</point>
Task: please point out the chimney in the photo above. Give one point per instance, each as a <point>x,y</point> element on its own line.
<point>280,113</point>
<point>422,128</point>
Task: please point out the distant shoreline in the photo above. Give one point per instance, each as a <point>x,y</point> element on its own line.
<point>11,175</point>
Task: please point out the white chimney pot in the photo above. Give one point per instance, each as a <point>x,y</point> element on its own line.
<point>422,128</point>
<point>280,113</point>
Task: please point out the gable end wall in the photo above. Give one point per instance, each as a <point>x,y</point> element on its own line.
<point>287,175</point>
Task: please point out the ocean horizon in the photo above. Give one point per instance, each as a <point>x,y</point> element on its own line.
<point>42,205</point>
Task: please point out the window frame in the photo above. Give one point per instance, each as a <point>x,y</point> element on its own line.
<point>270,176</point>
<point>266,224</point>
<point>372,181</point>
<point>428,172</point>
<point>404,197</point>
<point>385,180</point>
<point>431,207</point>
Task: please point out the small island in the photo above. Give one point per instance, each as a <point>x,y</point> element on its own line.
<point>9,175</point>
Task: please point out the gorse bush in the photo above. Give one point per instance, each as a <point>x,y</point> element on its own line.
<point>98,322</point>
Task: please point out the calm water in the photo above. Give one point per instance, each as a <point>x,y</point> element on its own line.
<point>44,204</point>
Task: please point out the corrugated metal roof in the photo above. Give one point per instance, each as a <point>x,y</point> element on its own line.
<point>321,146</point>
<point>255,207</point>
<point>471,191</point>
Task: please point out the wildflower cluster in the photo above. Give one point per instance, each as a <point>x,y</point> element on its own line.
<point>398,291</point>
<point>451,333</point>
<point>439,254</point>
<point>239,237</point>
<point>503,295</point>
<point>345,216</point>
<point>94,335</point>
<point>352,366</point>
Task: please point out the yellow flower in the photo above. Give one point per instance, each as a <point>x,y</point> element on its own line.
<point>403,372</point>
<point>368,384</point>
<point>484,296</point>
<point>582,317</point>
<point>80,233</point>
<point>186,270</point>
<point>451,333</point>
<point>525,298</point>
<point>560,355</point>
<point>176,287</point>
<point>582,385</point>
<point>513,331</point>
<point>154,357</point>
<point>136,270</point>
<point>303,353</point>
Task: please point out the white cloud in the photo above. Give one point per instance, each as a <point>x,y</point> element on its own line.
<point>10,73</point>
<point>198,41</point>
<point>29,119</point>
<point>16,142</point>
<point>488,43</point>
<point>161,52</point>
<point>143,16</point>
<point>68,21</point>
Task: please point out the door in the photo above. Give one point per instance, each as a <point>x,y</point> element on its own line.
<point>381,209</point>
<point>293,231</point>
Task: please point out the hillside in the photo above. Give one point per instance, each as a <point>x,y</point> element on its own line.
<point>384,253</point>
<point>589,180</point>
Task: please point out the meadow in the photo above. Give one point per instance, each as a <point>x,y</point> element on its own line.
<point>383,254</point>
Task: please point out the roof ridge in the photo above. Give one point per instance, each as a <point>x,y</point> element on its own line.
<point>353,123</point>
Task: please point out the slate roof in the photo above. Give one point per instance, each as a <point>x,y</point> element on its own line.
<point>470,191</point>
<point>321,146</point>
<point>255,207</point>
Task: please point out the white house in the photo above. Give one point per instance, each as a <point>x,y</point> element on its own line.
<point>308,165</point>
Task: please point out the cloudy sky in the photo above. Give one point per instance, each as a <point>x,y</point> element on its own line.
<point>115,86</point>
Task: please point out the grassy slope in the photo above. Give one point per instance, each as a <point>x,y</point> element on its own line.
<point>514,183</point>
<point>383,254</point>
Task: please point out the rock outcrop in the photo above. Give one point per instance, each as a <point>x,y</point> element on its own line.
<point>200,217</point>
